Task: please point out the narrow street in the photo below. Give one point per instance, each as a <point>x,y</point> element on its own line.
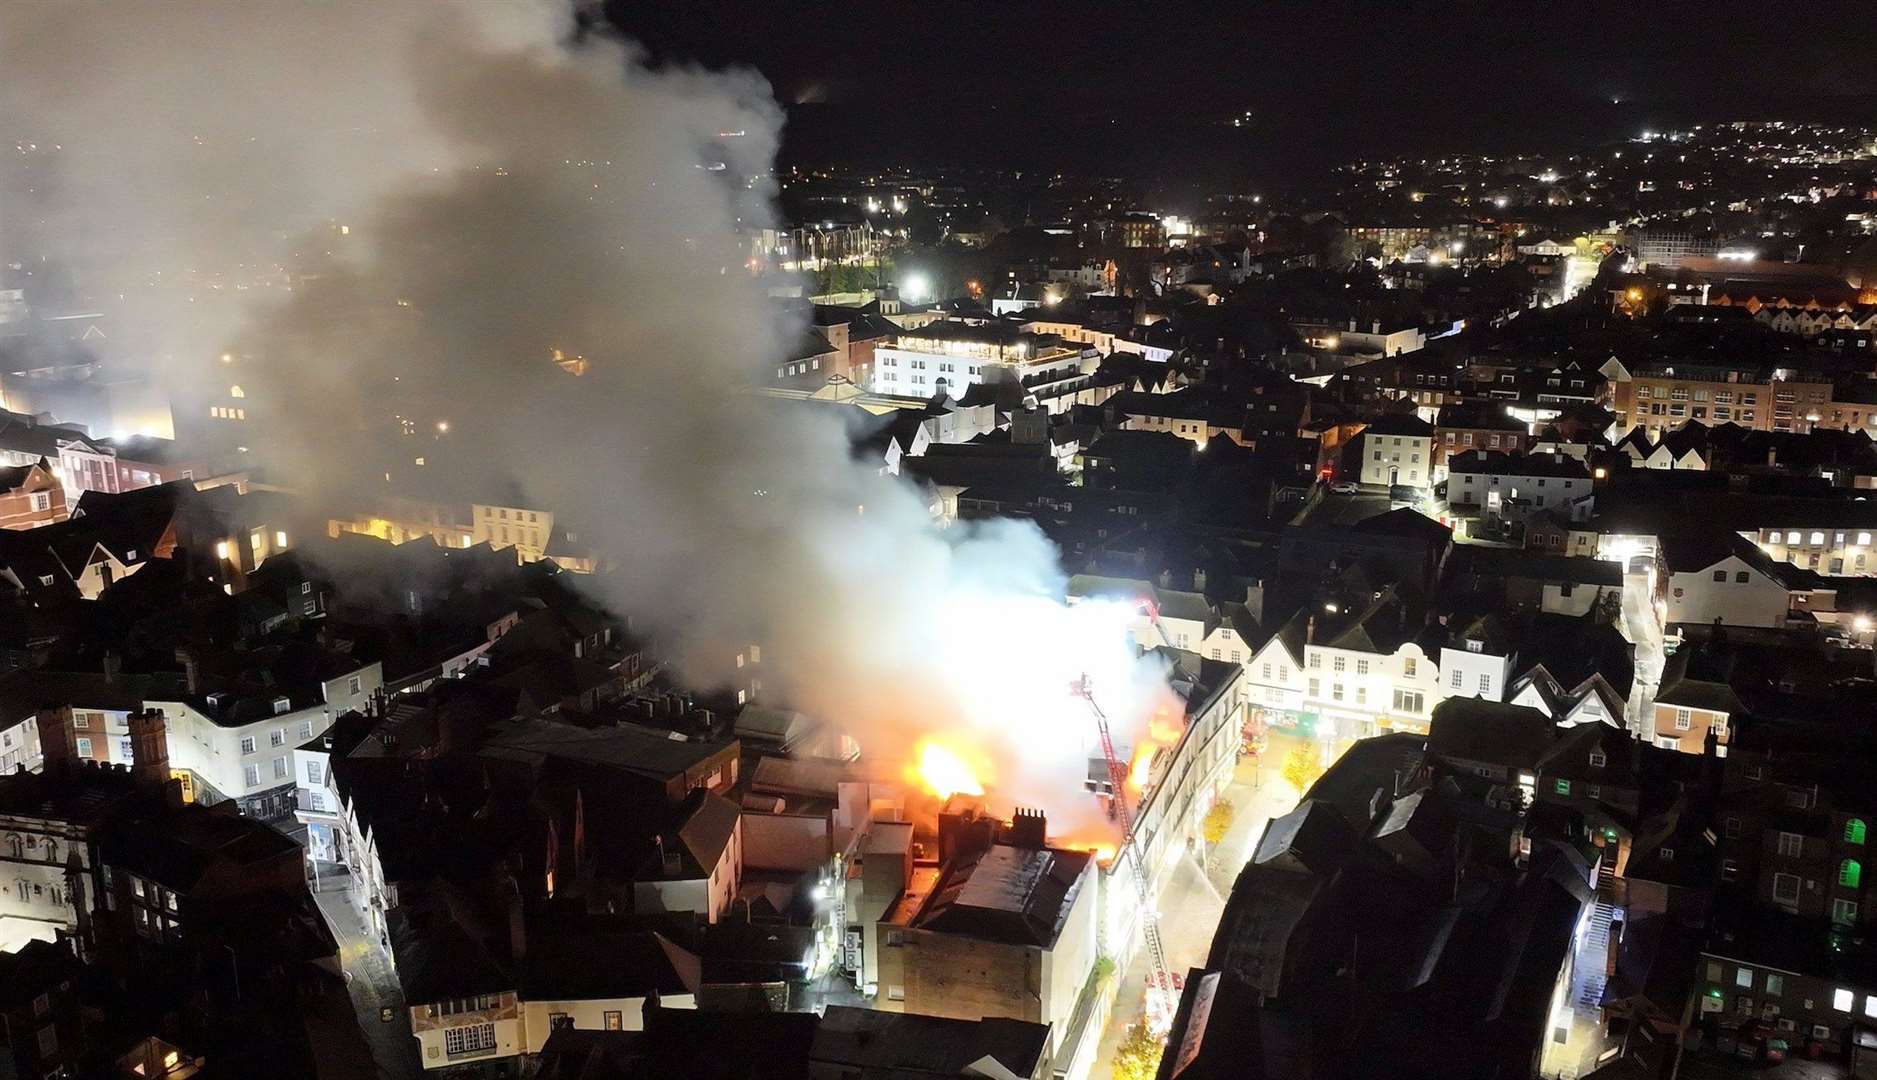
<point>373,986</point>
<point>1193,897</point>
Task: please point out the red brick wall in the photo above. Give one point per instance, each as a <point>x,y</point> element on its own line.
<point>16,506</point>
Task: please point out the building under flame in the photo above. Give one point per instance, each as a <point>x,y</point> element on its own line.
<point>970,915</point>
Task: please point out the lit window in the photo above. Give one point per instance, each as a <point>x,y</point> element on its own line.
<point>1743,978</point>
<point>1854,831</point>
<point>1850,873</point>
<point>1842,999</point>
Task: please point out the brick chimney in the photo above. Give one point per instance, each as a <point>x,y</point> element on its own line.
<point>1028,828</point>
<point>1254,600</point>
<point>964,828</point>
<point>113,666</point>
<point>57,744</point>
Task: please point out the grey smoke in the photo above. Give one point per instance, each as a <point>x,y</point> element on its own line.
<point>508,192</point>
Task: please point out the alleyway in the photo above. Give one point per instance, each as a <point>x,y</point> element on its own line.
<point>373,986</point>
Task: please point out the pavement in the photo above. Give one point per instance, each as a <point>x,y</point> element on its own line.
<point>1194,895</point>
<point>373,986</point>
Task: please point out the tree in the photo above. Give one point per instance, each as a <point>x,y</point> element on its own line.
<point>1218,821</point>
<point>1301,768</point>
<point>1138,1057</point>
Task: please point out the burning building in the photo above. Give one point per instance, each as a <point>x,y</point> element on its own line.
<point>953,911</point>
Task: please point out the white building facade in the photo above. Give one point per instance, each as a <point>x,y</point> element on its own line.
<point>1398,450</point>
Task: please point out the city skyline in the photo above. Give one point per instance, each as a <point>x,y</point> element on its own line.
<point>601,541</point>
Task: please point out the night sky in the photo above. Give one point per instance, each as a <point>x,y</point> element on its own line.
<point>1151,88</point>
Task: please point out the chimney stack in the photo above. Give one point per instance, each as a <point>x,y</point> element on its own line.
<point>113,665</point>
<point>1310,630</point>
<point>57,744</point>
<point>964,828</point>
<point>1028,828</point>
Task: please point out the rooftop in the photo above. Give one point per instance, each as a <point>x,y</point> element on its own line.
<point>1017,896</point>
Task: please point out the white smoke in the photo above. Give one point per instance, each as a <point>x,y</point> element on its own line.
<point>507,192</point>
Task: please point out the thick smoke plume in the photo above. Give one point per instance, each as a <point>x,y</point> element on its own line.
<point>510,188</point>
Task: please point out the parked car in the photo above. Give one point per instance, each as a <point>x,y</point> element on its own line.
<point>1403,495</point>
<point>1345,487</point>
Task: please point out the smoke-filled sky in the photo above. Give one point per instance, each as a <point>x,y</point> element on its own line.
<point>508,190</point>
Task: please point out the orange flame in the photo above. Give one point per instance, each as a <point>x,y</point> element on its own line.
<point>1166,725</point>
<point>1103,849</point>
<point>1142,770</point>
<point>942,772</point>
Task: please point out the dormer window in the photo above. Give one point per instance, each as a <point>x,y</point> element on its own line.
<point>1475,646</point>
<point>1598,760</point>
<point>282,705</point>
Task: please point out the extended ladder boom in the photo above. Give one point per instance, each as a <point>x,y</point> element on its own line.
<point>1159,1005</point>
